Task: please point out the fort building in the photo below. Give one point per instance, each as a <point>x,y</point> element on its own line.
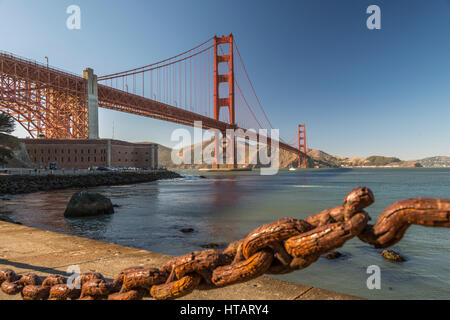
<point>86,153</point>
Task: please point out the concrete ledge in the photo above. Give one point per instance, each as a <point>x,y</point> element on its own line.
<point>29,183</point>
<point>26,249</point>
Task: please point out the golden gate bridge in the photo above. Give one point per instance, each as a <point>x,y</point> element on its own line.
<point>208,83</point>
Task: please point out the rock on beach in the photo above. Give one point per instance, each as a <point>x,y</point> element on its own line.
<point>88,204</point>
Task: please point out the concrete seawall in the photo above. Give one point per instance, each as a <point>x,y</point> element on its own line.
<point>17,184</point>
<point>26,249</point>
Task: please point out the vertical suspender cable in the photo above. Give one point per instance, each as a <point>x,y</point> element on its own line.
<point>209,83</point>
<point>179,70</point>
<point>190,84</point>
<point>195,85</point>
<point>174,93</point>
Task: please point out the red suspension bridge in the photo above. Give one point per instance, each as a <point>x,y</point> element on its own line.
<point>208,83</point>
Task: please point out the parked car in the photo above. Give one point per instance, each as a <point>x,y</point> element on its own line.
<point>103,169</point>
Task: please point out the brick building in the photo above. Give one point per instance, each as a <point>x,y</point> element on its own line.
<point>85,153</point>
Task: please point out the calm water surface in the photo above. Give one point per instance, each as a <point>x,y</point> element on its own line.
<point>223,208</point>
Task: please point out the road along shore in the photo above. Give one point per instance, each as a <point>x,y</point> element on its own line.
<point>26,249</point>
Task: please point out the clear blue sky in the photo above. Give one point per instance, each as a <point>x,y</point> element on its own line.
<point>360,92</point>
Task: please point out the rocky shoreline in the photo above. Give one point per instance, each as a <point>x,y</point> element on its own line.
<point>19,184</point>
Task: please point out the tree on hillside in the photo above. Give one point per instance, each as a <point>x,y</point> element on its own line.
<point>7,125</point>
<point>381,161</point>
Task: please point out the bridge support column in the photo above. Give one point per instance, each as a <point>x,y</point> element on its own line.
<point>232,151</point>
<point>302,159</point>
<point>154,156</point>
<point>224,102</point>
<point>92,102</point>
<point>108,155</point>
<point>229,151</point>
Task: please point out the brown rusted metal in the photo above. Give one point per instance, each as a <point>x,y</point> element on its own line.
<point>30,279</point>
<point>63,292</point>
<point>176,289</point>
<point>118,280</point>
<point>356,200</point>
<point>279,247</point>
<point>35,292</point>
<point>53,279</point>
<point>232,248</point>
<point>326,238</point>
<point>8,275</point>
<point>96,288</point>
<point>396,219</point>
<point>129,295</point>
<point>11,288</point>
<point>196,261</point>
<point>143,279</point>
<point>327,216</point>
<point>86,277</point>
<point>273,232</point>
<point>251,268</point>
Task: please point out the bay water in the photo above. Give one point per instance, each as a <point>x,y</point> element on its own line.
<point>226,207</point>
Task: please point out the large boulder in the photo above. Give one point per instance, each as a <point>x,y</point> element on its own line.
<point>87,204</point>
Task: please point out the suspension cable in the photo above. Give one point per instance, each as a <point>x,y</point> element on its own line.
<point>105,77</point>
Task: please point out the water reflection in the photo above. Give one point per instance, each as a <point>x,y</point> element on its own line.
<point>91,226</point>
<point>226,193</point>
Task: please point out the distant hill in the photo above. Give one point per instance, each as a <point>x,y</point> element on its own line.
<point>381,161</point>
<point>286,159</point>
<point>316,159</point>
<point>324,160</point>
<point>20,158</point>
<point>435,162</point>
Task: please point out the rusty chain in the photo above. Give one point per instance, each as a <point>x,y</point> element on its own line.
<point>279,247</point>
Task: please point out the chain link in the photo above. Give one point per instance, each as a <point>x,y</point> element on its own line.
<point>278,247</point>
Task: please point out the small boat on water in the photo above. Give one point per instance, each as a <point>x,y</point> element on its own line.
<point>291,169</point>
<point>225,169</point>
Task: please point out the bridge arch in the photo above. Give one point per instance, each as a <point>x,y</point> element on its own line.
<point>31,126</point>
<point>36,121</point>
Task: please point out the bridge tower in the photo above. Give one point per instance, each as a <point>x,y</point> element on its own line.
<point>91,102</point>
<point>229,145</point>
<point>302,159</point>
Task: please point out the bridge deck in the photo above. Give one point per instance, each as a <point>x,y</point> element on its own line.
<point>34,76</point>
